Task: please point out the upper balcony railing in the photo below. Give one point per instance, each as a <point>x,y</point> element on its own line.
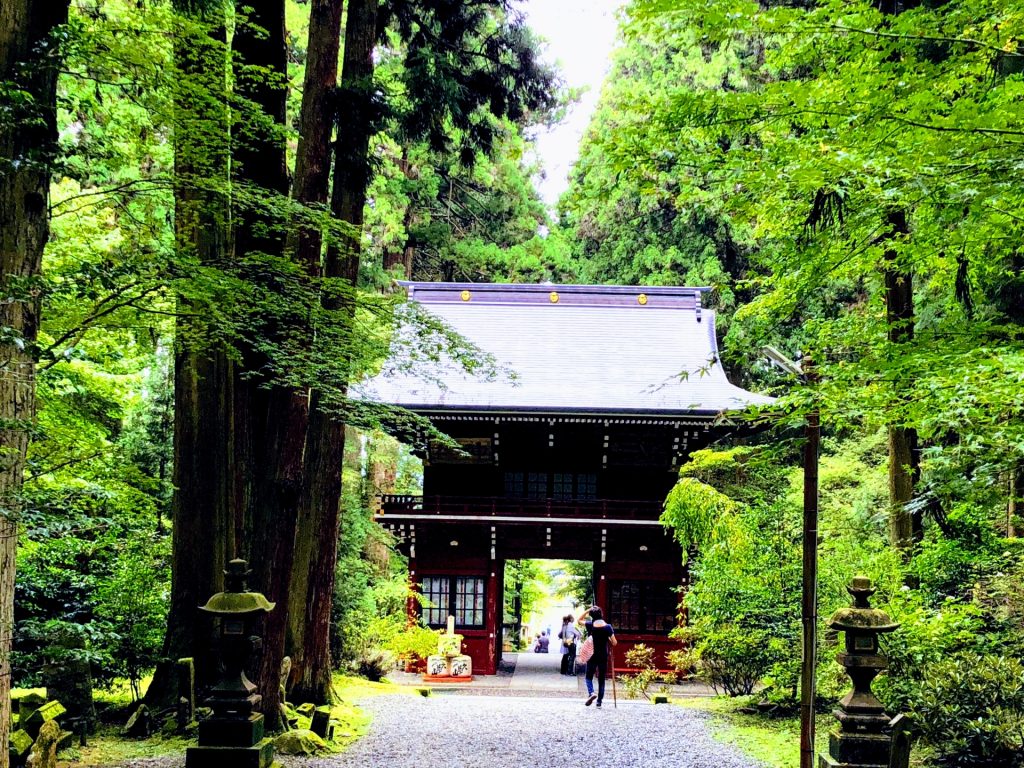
<point>494,506</point>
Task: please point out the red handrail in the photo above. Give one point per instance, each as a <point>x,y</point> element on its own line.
<point>500,506</point>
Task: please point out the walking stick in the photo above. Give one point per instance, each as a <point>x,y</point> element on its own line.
<point>615,696</point>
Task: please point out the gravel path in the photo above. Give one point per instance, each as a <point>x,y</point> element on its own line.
<point>446,731</point>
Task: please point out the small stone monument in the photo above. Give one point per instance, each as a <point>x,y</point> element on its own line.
<point>44,751</point>
<point>449,664</point>
<point>68,677</point>
<point>185,712</point>
<point>862,740</point>
<point>233,735</point>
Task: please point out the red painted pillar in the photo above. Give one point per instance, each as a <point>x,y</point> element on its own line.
<point>493,622</point>
<point>600,587</point>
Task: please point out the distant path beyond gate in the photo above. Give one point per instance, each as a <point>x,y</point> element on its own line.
<point>449,731</point>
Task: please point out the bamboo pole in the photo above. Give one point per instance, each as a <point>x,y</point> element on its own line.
<point>809,602</point>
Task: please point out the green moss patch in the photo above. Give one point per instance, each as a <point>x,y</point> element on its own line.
<point>773,742</point>
<point>107,747</point>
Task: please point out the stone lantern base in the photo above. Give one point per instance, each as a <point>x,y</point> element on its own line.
<point>231,742</point>
<point>856,750</point>
<point>260,755</point>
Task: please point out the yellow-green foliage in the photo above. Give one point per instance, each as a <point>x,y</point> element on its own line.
<point>697,513</point>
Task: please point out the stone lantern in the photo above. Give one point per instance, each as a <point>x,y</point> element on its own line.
<point>862,740</point>
<point>233,735</point>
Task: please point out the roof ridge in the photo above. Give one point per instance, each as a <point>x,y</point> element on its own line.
<point>685,297</point>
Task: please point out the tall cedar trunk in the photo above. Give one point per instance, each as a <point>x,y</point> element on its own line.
<point>325,439</point>
<point>204,501</point>
<point>29,60</point>
<point>406,257</point>
<point>904,527</point>
<point>273,416</point>
<point>379,480</point>
<point>312,177</point>
<point>904,459</point>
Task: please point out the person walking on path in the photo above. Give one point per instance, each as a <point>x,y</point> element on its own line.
<point>603,638</point>
<point>569,636</point>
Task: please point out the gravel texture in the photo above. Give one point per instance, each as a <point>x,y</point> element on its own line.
<point>446,731</point>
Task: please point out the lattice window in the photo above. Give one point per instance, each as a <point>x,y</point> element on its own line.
<point>643,606</point>
<point>537,485</point>
<point>469,601</point>
<point>459,596</point>
<point>661,606</point>
<point>436,590</point>
<point>515,487</point>
<point>586,487</point>
<point>624,606</point>
<point>561,486</point>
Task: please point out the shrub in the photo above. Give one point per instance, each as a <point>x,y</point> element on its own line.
<point>970,708</point>
<point>413,642</point>
<point>374,664</point>
<point>733,659</point>
<point>641,658</point>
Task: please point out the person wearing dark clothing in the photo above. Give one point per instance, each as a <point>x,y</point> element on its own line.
<point>569,636</point>
<point>603,638</point>
<point>542,643</point>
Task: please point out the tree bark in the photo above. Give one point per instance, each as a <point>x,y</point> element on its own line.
<point>29,62</point>
<point>205,495</point>
<point>274,416</point>
<point>325,438</point>
<point>310,679</point>
<point>904,527</point>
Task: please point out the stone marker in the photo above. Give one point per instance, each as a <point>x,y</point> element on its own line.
<point>28,702</point>
<point>899,756</point>
<point>321,721</point>
<point>19,746</point>
<point>306,709</point>
<point>50,711</point>
<point>286,671</point>
<point>68,677</point>
<point>44,751</point>
<point>140,724</point>
<point>186,690</point>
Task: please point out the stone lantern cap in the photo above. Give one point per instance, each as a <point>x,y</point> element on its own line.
<point>861,617</point>
<point>237,600</point>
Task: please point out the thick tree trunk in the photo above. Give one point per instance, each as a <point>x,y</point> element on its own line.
<point>205,495</point>
<point>904,527</point>
<point>274,416</point>
<point>325,439</point>
<point>29,62</point>
<point>310,663</point>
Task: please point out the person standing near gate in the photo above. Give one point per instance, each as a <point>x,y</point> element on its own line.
<point>569,636</point>
<point>602,635</point>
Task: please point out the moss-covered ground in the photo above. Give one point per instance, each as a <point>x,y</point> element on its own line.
<point>773,741</point>
<point>109,747</point>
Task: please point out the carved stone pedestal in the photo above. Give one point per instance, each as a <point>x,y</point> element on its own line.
<point>862,740</point>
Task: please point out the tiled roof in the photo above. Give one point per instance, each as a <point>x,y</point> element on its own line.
<point>573,349</point>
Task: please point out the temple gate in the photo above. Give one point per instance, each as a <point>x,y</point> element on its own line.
<point>570,458</point>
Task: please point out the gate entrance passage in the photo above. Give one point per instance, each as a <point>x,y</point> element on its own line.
<point>570,457</point>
